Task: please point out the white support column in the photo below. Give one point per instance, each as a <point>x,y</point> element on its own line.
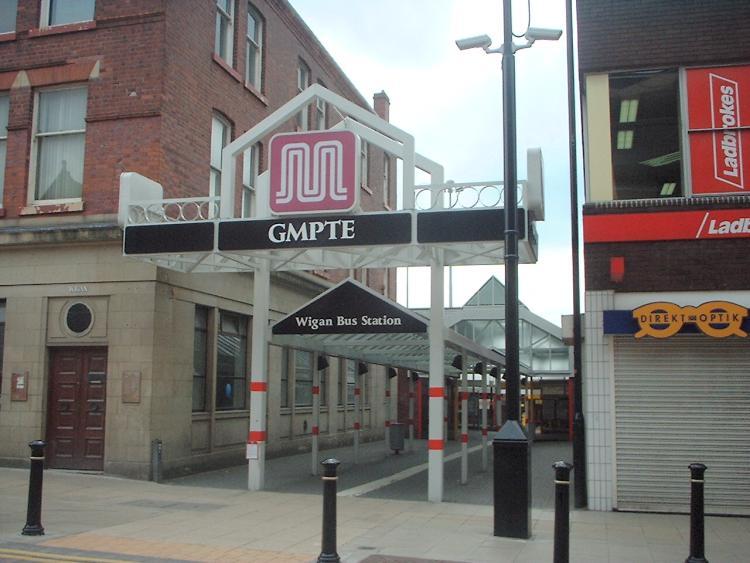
<point>258,435</point>
<point>464,419</point>
<point>357,410</point>
<point>435,443</point>
<point>484,404</point>
<point>445,411</point>
<point>316,415</point>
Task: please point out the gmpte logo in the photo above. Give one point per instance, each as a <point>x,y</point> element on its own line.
<point>314,172</point>
<point>727,141</point>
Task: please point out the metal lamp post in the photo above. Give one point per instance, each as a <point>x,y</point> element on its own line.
<point>511,449</point>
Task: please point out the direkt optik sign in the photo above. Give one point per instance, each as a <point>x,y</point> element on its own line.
<point>718,319</point>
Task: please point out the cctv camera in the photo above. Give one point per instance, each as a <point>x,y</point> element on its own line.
<point>478,42</point>
<point>542,34</point>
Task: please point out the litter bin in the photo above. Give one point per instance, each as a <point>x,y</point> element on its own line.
<point>397,436</point>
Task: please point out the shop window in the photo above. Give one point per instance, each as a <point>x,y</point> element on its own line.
<point>250,165</point>
<point>200,358</point>
<point>303,81</point>
<point>231,361</point>
<point>221,133</point>
<point>224,37</point>
<point>4,106</point>
<point>62,12</point>
<point>645,128</point>
<point>254,48</point>
<point>59,143</point>
<point>348,382</point>
<point>8,9</point>
<point>303,378</point>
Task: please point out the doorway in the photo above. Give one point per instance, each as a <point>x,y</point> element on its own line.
<point>77,408</point>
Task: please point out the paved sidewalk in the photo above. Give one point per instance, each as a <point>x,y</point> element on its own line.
<point>97,518</point>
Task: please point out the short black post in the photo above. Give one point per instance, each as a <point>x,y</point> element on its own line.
<point>328,547</point>
<point>562,512</point>
<point>33,525</point>
<point>697,546</point>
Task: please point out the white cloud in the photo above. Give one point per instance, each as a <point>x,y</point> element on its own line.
<point>451,101</point>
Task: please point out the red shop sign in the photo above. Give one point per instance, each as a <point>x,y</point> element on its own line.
<point>719,129</point>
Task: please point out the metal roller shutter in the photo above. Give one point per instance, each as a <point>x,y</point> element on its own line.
<point>679,401</point>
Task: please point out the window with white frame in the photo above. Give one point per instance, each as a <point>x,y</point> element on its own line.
<point>4,110</point>
<point>321,113</point>
<point>224,38</point>
<point>254,50</point>
<point>59,143</point>
<point>303,81</point>
<point>386,180</point>
<point>348,382</point>
<point>221,133</point>
<point>364,163</point>
<point>62,12</point>
<point>303,378</point>
<point>8,9</point>
<point>249,179</point>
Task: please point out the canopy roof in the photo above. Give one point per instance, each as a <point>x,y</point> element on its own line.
<point>353,321</point>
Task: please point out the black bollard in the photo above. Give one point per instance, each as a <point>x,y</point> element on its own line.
<point>328,544</point>
<point>697,546</point>
<point>562,512</point>
<point>33,525</point>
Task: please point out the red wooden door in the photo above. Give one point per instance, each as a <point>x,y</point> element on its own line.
<point>77,406</point>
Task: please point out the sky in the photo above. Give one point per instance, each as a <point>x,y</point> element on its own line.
<point>451,101</point>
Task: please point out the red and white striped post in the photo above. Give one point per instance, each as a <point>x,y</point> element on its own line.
<point>484,403</point>
<point>464,421</point>
<point>410,446</point>
<point>357,414</point>
<point>316,414</point>
<point>257,434</point>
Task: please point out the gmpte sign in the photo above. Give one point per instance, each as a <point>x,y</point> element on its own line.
<point>718,319</point>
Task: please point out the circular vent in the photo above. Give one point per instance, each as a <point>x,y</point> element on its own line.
<point>79,318</point>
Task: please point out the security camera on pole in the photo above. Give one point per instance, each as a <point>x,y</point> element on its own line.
<point>512,452</point>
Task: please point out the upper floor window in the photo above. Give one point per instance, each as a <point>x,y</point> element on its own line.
<point>364,163</point>
<point>221,133</point>
<point>4,107</point>
<point>321,113</point>
<point>249,179</point>
<point>386,180</point>
<point>8,9</point>
<point>254,54</point>
<point>61,12</point>
<point>224,38</point>
<point>58,144</point>
<point>303,81</point>
<point>645,132</point>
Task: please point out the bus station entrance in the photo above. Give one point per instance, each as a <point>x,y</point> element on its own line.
<point>308,217</point>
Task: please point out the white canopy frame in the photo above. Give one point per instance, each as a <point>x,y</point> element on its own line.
<point>142,206</point>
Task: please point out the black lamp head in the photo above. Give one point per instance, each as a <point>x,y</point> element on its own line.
<point>479,367</point>
<point>362,368</point>
<point>322,363</point>
<point>458,361</point>
<point>392,373</point>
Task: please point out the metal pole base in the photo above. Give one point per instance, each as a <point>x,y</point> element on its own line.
<point>512,482</point>
<point>32,531</point>
<point>696,560</point>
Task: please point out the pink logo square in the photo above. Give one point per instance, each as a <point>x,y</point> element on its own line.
<point>314,172</point>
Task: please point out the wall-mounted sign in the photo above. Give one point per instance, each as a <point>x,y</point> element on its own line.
<point>718,319</point>
<point>667,225</point>
<point>719,129</point>
<point>315,172</point>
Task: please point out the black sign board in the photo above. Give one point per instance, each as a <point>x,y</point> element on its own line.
<point>349,308</point>
<point>315,231</point>
<point>465,225</point>
<point>169,238</point>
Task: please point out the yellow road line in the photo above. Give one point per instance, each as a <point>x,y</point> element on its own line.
<point>26,555</point>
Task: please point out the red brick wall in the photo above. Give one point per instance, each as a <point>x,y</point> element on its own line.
<point>618,34</point>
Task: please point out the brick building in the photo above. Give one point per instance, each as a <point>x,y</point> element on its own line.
<point>665,87</point>
<point>101,355</point>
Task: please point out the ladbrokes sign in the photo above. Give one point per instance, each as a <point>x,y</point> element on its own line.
<point>717,319</point>
<point>719,114</point>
